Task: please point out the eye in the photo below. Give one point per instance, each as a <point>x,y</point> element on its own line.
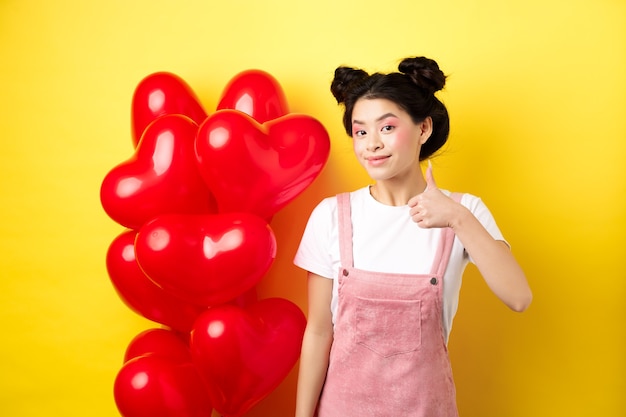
<point>358,133</point>
<point>387,128</point>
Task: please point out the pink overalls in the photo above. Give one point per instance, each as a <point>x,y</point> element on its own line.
<point>388,357</point>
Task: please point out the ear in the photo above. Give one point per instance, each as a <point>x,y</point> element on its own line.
<point>426,129</point>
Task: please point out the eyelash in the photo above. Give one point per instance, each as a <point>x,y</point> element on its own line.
<point>360,133</point>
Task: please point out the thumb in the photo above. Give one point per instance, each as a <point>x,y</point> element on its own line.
<point>430,180</point>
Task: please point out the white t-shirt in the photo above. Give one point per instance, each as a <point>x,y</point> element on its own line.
<point>385,239</point>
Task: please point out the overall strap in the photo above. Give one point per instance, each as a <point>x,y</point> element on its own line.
<point>442,257</point>
<point>344,226</point>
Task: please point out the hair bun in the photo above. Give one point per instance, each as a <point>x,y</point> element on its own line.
<point>344,77</point>
<point>424,72</point>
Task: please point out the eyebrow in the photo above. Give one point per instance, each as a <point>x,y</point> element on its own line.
<point>383,117</point>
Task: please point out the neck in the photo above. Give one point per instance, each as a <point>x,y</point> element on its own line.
<point>394,194</point>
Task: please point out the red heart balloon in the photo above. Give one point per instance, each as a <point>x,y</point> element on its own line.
<point>255,93</point>
<point>155,386</point>
<point>159,342</point>
<point>244,354</point>
<point>206,259</point>
<point>161,177</point>
<point>142,295</point>
<point>245,299</point>
<point>259,168</point>
<point>159,94</point>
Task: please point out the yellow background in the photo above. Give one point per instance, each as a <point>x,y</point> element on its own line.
<point>537,97</point>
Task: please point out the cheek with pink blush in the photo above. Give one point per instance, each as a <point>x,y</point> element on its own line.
<point>401,139</point>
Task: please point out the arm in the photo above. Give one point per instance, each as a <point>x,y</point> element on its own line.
<point>318,338</point>
<point>493,258</point>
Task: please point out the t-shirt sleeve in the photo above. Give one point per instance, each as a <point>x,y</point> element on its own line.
<point>484,216</point>
<point>313,254</point>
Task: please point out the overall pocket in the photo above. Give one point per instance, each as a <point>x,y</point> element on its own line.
<point>389,327</point>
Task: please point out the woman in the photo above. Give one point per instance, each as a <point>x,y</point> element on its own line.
<point>385,262</point>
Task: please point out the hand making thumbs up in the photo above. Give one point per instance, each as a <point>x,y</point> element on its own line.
<point>432,208</point>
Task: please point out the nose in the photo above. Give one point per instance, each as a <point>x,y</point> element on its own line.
<point>373,142</point>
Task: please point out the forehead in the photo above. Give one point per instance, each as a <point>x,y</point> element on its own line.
<point>372,109</point>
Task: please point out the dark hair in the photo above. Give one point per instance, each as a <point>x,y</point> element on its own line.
<point>413,88</point>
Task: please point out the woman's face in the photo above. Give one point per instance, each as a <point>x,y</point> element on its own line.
<point>386,141</point>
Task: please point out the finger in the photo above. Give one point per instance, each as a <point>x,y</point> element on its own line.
<point>430,179</point>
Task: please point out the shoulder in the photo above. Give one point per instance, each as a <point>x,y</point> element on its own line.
<point>480,210</point>
<point>325,208</point>
<point>470,201</point>
<point>328,206</point>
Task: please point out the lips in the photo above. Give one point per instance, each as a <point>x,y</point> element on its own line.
<point>377,160</point>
